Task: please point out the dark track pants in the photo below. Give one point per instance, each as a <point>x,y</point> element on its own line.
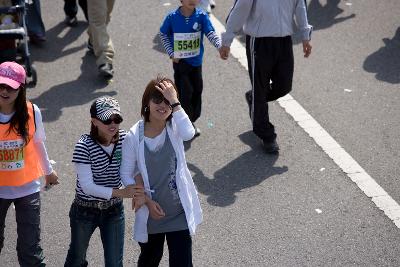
<point>71,8</point>
<point>179,248</point>
<point>189,81</point>
<point>269,59</point>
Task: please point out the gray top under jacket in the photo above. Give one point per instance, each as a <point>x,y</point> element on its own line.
<point>161,169</point>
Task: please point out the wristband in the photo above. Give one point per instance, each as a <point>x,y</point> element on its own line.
<point>175,104</point>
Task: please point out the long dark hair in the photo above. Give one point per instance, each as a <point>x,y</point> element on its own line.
<point>152,91</point>
<point>19,121</point>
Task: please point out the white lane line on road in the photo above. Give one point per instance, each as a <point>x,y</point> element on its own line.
<point>328,144</point>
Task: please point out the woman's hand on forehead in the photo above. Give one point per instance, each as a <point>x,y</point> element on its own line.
<point>167,89</point>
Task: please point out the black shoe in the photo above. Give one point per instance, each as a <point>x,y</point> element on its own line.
<point>90,46</point>
<point>71,21</point>
<point>106,70</point>
<point>38,39</point>
<point>249,97</point>
<point>197,131</point>
<point>270,146</point>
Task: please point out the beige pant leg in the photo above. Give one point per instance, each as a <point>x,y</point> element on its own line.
<point>99,12</point>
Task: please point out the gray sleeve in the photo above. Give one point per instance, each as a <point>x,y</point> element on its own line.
<point>302,21</point>
<point>236,19</point>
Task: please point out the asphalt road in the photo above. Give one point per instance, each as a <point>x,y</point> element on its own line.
<point>294,209</point>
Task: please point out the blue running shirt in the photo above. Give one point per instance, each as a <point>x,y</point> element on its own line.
<point>186,34</point>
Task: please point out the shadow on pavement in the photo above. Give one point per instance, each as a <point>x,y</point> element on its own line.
<point>249,169</point>
<point>188,144</point>
<point>157,45</point>
<point>386,61</point>
<point>72,93</point>
<point>323,16</point>
<point>57,41</point>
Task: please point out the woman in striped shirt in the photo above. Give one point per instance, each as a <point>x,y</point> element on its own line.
<point>98,199</point>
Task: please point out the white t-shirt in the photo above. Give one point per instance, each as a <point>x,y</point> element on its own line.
<point>154,144</point>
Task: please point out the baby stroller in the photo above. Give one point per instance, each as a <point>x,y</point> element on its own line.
<point>14,37</point>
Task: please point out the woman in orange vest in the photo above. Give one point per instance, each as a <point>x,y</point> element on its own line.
<point>23,160</point>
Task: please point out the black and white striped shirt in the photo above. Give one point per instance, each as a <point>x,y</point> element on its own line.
<point>105,167</point>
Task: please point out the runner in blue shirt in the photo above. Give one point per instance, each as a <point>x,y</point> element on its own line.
<point>182,37</point>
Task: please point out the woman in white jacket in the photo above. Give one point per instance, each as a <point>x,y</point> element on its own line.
<point>154,147</point>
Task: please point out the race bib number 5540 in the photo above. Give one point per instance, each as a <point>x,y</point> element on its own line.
<point>11,155</point>
<point>186,44</point>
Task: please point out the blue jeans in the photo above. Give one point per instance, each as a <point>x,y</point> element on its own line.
<point>27,213</point>
<point>34,21</point>
<point>84,221</point>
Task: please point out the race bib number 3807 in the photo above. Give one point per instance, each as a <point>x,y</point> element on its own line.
<point>186,44</point>
<point>11,155</point>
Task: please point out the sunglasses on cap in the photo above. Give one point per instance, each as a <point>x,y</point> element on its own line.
<point>158,99</point>
<point>116,120</point>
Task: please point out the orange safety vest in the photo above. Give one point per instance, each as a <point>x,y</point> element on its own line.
<point>19,164</point>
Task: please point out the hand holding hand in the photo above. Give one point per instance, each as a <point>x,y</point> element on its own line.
<point>135,190</point>
<point>137,203</point>
<point>129,192</point>
<point>224,52</point>
<point>138,198</point>
<point>306,48</point>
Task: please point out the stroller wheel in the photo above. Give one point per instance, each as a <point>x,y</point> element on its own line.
<point>33,77</point>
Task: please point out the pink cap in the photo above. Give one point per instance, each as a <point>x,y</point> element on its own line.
<point>12,74</point>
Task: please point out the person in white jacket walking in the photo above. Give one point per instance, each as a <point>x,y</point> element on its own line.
<point>154,147</point>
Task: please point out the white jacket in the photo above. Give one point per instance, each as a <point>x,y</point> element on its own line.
<point>179,129</point>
